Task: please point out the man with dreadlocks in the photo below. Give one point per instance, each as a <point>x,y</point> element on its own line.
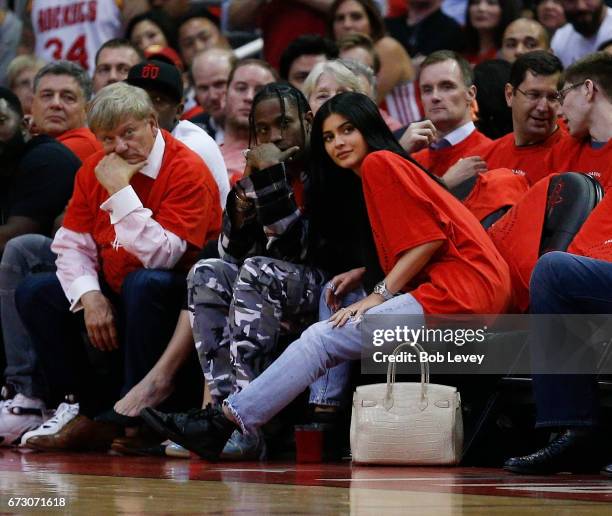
<point>265,283</point>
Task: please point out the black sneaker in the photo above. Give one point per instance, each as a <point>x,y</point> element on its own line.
<point>202,431</point>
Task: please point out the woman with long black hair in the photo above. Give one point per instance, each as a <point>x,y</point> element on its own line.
<point>435,257</point>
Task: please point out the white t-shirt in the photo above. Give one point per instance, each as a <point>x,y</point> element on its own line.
<point>74,31</point>
<point>569,46</point>
<point>198,140</point>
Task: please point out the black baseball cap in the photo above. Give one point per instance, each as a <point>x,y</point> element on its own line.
<point>159,75</point>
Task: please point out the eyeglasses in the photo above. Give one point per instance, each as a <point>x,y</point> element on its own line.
<point>535,96</point>
<point>563,93</point>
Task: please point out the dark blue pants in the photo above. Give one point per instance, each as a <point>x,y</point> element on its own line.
<point>146,311</point>
<point>563,283</point>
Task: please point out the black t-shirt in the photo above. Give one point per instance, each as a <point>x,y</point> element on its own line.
<point>436,32</point>
<point>43,184</point>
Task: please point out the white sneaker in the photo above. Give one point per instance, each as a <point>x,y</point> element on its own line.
<point>17,416</point>
<point>65,413</point>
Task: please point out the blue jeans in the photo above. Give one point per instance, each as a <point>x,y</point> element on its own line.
<point>147,312</point>
<point>563,283</point>
<point>320,348</point>
<point>331,388</point>
<point>22,256</point>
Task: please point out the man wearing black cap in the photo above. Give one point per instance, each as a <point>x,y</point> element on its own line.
<point>163,83</point>
<point>36,179</point>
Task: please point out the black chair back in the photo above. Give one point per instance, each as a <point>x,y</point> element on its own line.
<point>571,198</point>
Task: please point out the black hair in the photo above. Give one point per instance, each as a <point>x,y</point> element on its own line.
<point>12,100</point>
<point>539,62</point>
<point>280,91</point>
<point>363,113</point>
<point>304,45</point>
<point>510,11</point>
<point>337,192</point>
<point>198,12</point>
<point>159,18</point>
<point>494,115</point>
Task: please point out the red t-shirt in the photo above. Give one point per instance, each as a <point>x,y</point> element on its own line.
<point>81,141</point>
<point>595,236</point>
<point>281,22</point>
<point>494,190</point>
<point>439,161</point>
<point>407,209</point>
<point>579,156</point>
<point>184,199</point>
<point>532,161</point>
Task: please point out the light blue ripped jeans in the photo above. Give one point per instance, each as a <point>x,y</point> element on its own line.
<point>319,348</point>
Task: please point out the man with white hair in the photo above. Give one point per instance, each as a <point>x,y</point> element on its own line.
<point>140,211</point>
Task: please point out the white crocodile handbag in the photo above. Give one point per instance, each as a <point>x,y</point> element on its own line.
<point>406,423</point>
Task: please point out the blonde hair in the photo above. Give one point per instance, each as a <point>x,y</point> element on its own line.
<point>338,70</point>
<point>21,63</point>
<point>116,102</point>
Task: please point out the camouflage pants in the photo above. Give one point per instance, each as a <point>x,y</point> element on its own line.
<point>239,313</point>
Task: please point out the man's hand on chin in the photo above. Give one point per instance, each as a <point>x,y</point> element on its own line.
<point>114,173</point>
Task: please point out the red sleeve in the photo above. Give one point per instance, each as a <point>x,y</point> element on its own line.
<point>81,210</point>
<point>400,212</point>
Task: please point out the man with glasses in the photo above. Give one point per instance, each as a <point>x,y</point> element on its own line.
<point>580,282</point>
<point>533,97</point>
<point>589,25</point>
<point>586,106</point>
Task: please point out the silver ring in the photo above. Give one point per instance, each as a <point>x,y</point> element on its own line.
<point>331,286</point>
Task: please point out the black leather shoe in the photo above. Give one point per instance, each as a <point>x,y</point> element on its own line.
<point>607,470</point>
<point>202,431</point>
<point>574,450</point>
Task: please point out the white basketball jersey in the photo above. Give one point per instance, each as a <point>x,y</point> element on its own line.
<point>74,31</point>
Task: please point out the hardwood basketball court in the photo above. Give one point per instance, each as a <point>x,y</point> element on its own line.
<point>104,484</point>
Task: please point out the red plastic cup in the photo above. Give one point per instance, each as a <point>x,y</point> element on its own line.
<point>308,444</point>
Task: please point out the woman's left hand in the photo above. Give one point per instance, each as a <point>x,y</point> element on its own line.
<point>356,310</point>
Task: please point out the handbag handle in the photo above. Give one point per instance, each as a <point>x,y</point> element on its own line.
<point>388,401</point>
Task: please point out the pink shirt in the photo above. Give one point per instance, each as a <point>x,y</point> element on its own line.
<point>135,230</point>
